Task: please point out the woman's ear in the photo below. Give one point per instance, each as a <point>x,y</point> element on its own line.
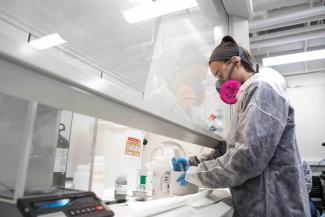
<point>236,60</point>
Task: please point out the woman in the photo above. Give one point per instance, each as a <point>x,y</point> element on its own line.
<point>261,166</point>
<point>309,184</point>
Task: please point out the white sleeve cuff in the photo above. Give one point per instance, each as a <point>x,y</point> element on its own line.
<point>192,177</point>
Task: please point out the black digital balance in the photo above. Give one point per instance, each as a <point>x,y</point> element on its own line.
<point>76,204</point>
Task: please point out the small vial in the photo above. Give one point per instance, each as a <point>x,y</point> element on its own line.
<point>120,187</point>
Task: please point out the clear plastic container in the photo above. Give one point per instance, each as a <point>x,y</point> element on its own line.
<point>145,179</point>
<point>161,177</point>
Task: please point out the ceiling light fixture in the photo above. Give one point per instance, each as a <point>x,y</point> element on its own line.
<point>293,58</point>
<point>157,8</point>
<point>47,41</point>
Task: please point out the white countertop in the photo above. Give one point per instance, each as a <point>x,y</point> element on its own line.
<point>204,203</point>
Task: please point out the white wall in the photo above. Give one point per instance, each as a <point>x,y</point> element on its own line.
<point>309,104</point>
<point>308,79</point>
<point>80,142</point>
<point>239,31</point>
<point>111,144</point>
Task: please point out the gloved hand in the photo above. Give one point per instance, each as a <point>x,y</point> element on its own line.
<point>180,163</point>
<point>181,179</point>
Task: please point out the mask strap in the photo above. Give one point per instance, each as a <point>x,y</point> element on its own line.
<point>243,57</point>
<point>231,71</point>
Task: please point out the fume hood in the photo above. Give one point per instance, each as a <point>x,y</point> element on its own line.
<point>149,73</point>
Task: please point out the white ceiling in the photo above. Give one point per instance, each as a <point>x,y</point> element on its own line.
<point>285,27</point>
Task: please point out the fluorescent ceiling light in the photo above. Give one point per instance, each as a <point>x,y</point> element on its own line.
<point>47,41</point>
<point>157,8</point>
<point>293,58</point>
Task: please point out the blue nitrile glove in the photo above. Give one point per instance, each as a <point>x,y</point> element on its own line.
<point>181,179</point>
<point>182,161</point>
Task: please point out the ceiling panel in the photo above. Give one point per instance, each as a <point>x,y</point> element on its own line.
<point>279,9</point>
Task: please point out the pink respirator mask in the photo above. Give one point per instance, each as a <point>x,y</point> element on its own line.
<point>228,89</point>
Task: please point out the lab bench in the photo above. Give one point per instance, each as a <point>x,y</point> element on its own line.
<point>216,203</point>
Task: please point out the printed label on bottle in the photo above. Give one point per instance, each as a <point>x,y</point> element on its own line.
<point>120,189</point>
<point>143,182</point>
<point>143,186</point>
<point>61,159</point>
<point>165,183</point>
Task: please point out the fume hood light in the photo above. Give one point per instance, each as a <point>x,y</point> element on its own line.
<point>156,9</point>
<point>293,58</point>
<point>47,41</point>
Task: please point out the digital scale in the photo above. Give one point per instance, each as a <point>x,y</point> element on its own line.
<point>79,204</point>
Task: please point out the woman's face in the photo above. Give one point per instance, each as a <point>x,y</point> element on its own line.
<point>221,70</point>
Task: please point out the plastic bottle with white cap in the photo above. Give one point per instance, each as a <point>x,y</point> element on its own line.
<point>161,174</point>
<point>177,155</point>
<point>175,187</point>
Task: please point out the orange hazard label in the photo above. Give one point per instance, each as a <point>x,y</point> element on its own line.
<point>133,147</point>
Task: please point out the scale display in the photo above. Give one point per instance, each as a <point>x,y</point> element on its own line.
<point>52,204</point>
